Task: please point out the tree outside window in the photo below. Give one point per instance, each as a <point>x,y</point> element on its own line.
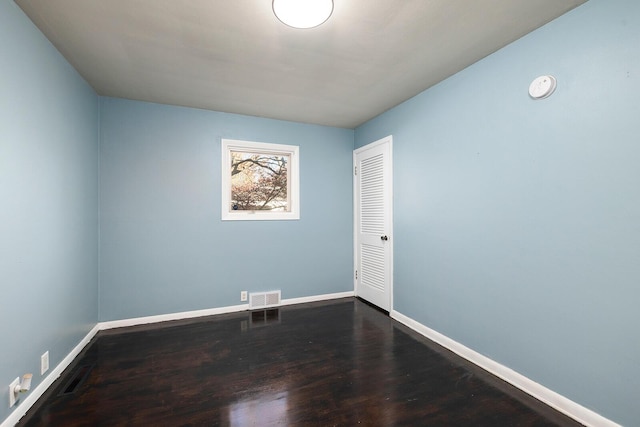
<point>260,181</point>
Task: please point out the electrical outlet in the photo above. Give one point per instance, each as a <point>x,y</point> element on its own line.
<point>44,362</point>
<point>12,394</point>
<point>243,295</point>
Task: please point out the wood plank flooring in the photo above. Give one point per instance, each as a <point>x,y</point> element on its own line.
<point>336,363</point>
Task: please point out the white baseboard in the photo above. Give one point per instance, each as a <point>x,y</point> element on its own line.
<point>41,388</point>
<point>560,403</point>
<point>316,298</point>
<point>171,316</point>
<point>212,311</point>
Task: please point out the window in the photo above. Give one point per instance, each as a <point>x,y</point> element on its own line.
<point>260,181</point>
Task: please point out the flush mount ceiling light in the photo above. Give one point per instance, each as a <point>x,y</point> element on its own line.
<point>302,13</point>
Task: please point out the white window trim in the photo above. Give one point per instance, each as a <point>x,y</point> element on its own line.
<point>229,145</point>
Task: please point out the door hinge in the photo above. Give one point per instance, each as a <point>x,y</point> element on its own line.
<point>355,170</point>
<point>356,274</point>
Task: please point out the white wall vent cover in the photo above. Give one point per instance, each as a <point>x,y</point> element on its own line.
<point>264,299</point>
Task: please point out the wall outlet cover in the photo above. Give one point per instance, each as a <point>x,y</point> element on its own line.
<point>12,394</point>
<point>243,295</point>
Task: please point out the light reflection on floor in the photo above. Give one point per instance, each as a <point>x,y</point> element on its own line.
<point>268,409</point>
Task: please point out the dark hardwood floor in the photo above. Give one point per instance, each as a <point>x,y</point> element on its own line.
<point>337,363</point>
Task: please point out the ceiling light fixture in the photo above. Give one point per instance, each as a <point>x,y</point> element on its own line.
<point>302,13</point>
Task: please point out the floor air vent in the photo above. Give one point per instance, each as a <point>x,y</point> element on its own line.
<point>264,299</point>
<point>77,379</point>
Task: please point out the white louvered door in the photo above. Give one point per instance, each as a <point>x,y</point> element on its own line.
<point>373,223</point>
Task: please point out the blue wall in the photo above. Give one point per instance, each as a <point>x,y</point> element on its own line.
<point>517,222</point>
<point>49,134</point>
<point>164,248</point>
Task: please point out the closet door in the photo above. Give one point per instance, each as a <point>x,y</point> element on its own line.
<point>373,223</point>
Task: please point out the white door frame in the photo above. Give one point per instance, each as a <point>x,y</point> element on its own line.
<point>389,196</point>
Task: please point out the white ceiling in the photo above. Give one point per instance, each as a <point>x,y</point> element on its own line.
<point>235,56</point>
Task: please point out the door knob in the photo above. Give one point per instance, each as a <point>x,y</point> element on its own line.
<point>385,238</point>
